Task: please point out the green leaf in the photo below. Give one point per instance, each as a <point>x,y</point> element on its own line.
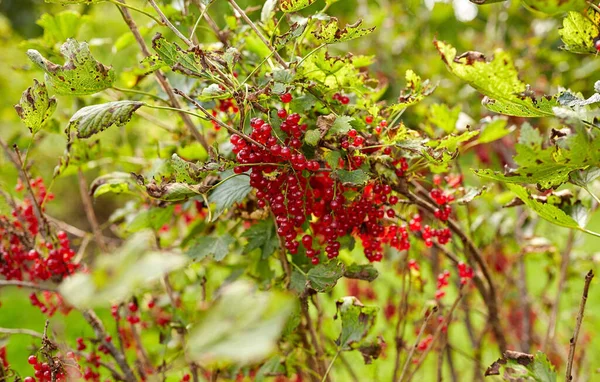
<point>330,32</point>
<point>452,141</point>
<point>312,137</point>
<point>123,272</point>
<point>341,125</point>
<point>294,5</point>
<point>546,211</point>
<point>115,182</point>
<point>323,277</point>
<point>521,366</point>
<point>93,119</point>
<point>584,177</point>
<point>494,130</point>
<point>357,321</point>
<point>80,75</point>
<point>262,235</point>
<point>578,33</point>
<point>35,107</point>
<point>186,62</point>
<point>154,218</point>
<point>233,190</point>
<point>443,117</point>
<point>554,7</point>
<point>498,80</point>
<point>415,91</point>
<point>242,327</point>
<point>333,159</point>
<point>217,246</point>
<point>355,177</point>
<point>361,272</point>
<point>182,169</point>
<point>61,26</point>
<point>296,30</point>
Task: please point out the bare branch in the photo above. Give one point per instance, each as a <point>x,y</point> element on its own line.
<point>573,341</point>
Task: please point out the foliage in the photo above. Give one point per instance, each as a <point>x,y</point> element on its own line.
<point>298,190</point>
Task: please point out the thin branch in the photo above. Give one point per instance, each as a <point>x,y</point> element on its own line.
<point>27,284</point>
<point>313,336</point>
<point>211,23</point>
<point>564,266</point>
<point>27,332</point>
<point>417,341</point>
<point>170,25</point>
<point>163,82</point>
<point>573,341</point>
<point>101,335</point>
<point>88,207</point>
<point>258,32</point>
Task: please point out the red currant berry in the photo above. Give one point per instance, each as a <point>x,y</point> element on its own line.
<point>286,98</point>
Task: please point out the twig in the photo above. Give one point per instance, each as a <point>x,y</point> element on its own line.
<point>27,332</point>
<point>101,334</point>
<point>437,334</point>
<point>170,25</point>
<point>211,23</point>
<point>88,207</point>
<point>27,284</point>
<point>564,266</point>
<point>414,347</point>
<point>163,82</point>
<point>402,309</point>
<point>313,336</point>
<point>573,341</point>
<point>258,32</point>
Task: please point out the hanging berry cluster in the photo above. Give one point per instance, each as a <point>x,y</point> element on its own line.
<point>310,205</point>
<point>25,258</point>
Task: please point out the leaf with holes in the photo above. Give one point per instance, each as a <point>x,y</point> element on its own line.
<point>93,119</point>
<point>323,277</point>
<point>80,75</point>
<point>357,321</point>
<point>546,211</point>
<point>294,5</point>
<point>330,32</point>
<point>35,107</point>
<point>578,33</point>
<point>498,80</point>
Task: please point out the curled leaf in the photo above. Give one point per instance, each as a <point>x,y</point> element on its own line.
<point>35,107</point>
<point>93,119</point>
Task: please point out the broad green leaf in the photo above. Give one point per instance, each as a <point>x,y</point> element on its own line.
<point>330,32</point>
<point>452,141</point>
<point>182,169</point>
<point>186,62</point>
<point>361,272</point>
<point>216,246</point>
<point>80,75</point>
<point>93,119</point>
<point>415,91</point>
<point>333,159</point>
<point>341,125</point>
<point>546,211</point>
<point>35,107</point>
<point>523,366</point>
<point>262,235</point>
<point>357,321</point>
<point>331,72</point>
<point>312,137</point>
<point>355,177</point>
<point>231,191</point>
<point>294,5</point>
<point>242,326</point>
<point>115,182</point>
<point>296,30</point>
<point>323,277</point>
<point>498,80</point>
<point>118,275</point>
<point>154,218</point>
<point>578,33</point>
<point>443,117</point>
<point>553,7</point>
<point>60,26</point>
<point>494,130</point>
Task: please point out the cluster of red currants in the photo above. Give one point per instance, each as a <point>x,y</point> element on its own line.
<point>43,373</point>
